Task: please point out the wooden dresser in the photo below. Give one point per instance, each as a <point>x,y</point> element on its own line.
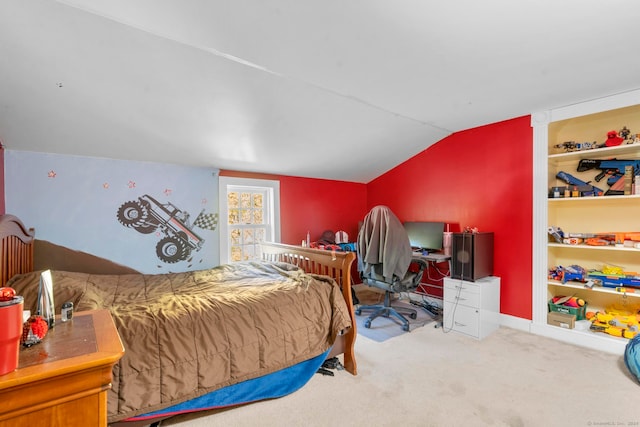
<point>63,380</point>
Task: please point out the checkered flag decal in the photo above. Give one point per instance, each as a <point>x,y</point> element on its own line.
<point>206,221</point>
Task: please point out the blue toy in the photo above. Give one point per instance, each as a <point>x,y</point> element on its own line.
<point>632,356</point>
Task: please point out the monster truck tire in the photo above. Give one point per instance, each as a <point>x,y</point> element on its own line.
<point>171,250</point>
<point>145,229</point>
<point>133,214</point>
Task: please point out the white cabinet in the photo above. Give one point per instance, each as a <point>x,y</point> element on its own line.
<point>585,122</point>
<point>472,308</point>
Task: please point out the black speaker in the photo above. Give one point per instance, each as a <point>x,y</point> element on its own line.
<point>471,256</point>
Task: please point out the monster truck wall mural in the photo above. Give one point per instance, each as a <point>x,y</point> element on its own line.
<point>178,239</point>
<point>151,217</point>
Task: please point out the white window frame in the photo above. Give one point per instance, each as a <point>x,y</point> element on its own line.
<point>272,188</point>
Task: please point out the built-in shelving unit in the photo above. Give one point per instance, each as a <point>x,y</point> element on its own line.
<point>589,121</point>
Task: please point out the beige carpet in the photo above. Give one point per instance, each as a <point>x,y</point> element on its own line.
<point>384,328</point>
<point>431,378</point>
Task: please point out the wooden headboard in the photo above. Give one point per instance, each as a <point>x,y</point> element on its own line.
<point>327,263</point>
<point>16,252</point>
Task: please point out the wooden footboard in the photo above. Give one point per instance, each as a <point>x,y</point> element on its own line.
<point>16,248</point>
<point>328,263</point>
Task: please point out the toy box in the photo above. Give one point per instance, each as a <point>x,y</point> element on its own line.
<point>578,312</point>
<point>562,320</point>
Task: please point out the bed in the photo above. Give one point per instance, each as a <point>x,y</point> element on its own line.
<point>206,339</point>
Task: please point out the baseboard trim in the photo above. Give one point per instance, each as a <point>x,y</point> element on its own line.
<point>515,322</point>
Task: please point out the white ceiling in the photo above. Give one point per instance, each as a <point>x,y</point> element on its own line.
<point>333,89</point>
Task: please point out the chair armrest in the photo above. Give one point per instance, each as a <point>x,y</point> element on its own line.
<point>421,262</point>
<point>422,266</point>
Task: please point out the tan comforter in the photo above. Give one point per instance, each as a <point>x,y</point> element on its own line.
<point>186,334</point>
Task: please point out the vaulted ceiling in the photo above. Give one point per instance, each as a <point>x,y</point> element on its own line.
<point>333,89</point>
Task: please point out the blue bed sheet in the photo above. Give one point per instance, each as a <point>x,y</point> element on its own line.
<point>270,386</point>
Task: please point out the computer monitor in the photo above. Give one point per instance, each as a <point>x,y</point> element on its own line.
<point>425,235</point>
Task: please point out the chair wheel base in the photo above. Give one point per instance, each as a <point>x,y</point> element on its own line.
<point>387,311</point>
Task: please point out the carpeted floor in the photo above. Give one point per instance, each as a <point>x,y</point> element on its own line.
<point>384,328</point>
<point>429,377</point>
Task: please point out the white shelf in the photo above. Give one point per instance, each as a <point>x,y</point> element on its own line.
<point>594,248</point>
<point>596,153</point>
<point>632,292</point>
<point>597,199</point>
<point>594,340</point>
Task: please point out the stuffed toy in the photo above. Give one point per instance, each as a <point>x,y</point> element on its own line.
<point>34,330</point>
<point>613,139</point>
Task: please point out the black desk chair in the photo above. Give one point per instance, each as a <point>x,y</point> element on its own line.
<point>385,261</point>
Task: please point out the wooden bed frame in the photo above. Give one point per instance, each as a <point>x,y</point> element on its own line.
<point>16,257</point>
<point>16,248</point>
<point>327,263</point>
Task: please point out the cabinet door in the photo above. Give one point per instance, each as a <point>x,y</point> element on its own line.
<point>461,291</point>
<point>466,297</point>
<point>462,319</point>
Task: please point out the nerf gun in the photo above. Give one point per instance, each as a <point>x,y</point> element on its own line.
<point>613,168</point>
<point>584,188</point>
<point>618,325</point>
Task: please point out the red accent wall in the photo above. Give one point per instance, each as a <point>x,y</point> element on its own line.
<point>3,207</point>
<point>480,177</point>
<point>315,205</point>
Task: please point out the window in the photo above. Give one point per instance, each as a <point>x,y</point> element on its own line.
<point>249,214</point>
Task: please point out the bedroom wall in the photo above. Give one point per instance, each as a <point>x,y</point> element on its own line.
<point>488,186</point>
<point>315,205</point>
<point>75,202</point>
<point>482,178</point>
<point>2,203</point>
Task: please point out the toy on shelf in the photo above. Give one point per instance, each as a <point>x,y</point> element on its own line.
<point>556,273</point>
<point>625,134</point>
<point>569,305</point>
<point>613,139</point>
<point>569,301</point>
<point>616,322</point>
<point>566,274</point>
<point>574,272</point>
<point>578,187</point>
<point>615,280</point>
<point>556,233</point>
<point>570,146</point>
<point>613,169</point>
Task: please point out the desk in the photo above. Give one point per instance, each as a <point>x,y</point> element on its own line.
<point>433,286</point>
<point>433,257</point>
<point>63,380</point>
